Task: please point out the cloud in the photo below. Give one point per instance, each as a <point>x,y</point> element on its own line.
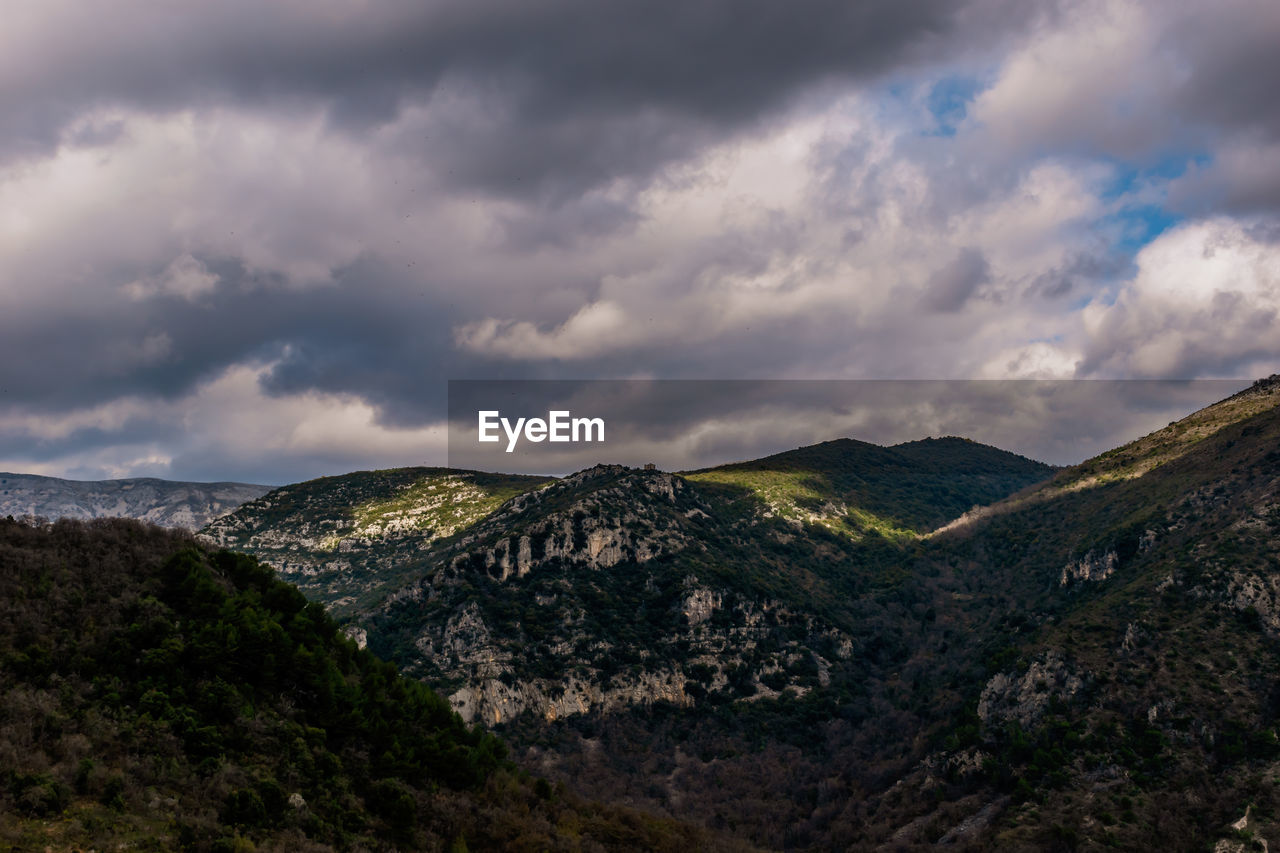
<point>356,202</point>
<point>758,265</point>
<point>1229,49</point>
<point>952,285</point>
<point>225,429</point>
<point>1136,79</point>
<point>1243,178</point>
<point>546,99</point>
<point>1074,85</point>
<point>185,277</point>
<point>682,425</point>
<point>1205,300</point>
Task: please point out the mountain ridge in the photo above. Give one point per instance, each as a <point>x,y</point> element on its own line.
<point>169,503</point>
<point>686,532</point>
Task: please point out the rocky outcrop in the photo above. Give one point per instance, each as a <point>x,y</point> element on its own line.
<point>1254,593</point>
<point>1093,566</point>
<point>495,701</point>
<point>614,523</point>
<point>699,603</point>
<point>357,635</point>
<point>726,660</point>
<point>1024,698</point>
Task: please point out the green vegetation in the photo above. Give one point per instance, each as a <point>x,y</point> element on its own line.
<point>341,538</point>
<point>804,497</point>
<point>802,652</point>
<point>899,491</point>
<point>437,506</point>
<point>160,696</point>
<point>1134,460</point>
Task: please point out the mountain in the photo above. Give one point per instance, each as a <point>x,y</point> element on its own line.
<point>1132,609</point>
<point>632,593</point>
<point>1087,664</point>
<point>338,538</point>
<point>164,502</point>
<point>427,559</point>
<point>812,651</point>
<point>853,486</point>
<point>157,695</point>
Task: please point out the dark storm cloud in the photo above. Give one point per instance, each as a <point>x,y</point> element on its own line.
<point>565,226</point>
<point>368,334</point>
<point>952,286</point>
<point>1230,49</point>
<point>523,99</point>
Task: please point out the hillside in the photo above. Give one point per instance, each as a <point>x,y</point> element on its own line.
<point>337,538</point>
<point>635,593</point>
<point>801,650</point>
<point>159,696</point>
<point>1087,667</point>
<point>163,502</point>
<point>907,489</point>
<point>713,543</point>
<point>1133,699</point>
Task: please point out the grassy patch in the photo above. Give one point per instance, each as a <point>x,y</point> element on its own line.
<point>807,497</point>
<point>437,506</point>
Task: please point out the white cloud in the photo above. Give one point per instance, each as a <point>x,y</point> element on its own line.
<point>276,192</point>
<point>1205,300</point>
<point>828,233</point>
<point>1036,360</point>
<point>1094,76</point>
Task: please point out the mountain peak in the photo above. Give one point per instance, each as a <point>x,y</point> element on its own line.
<point>908,488</point>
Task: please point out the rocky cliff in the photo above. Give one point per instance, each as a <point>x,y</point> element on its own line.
<point>585,595</point>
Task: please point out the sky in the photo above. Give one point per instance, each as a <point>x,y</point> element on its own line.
<point>254,240</point>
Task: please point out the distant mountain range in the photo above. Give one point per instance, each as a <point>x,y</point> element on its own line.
<point>163,502</point>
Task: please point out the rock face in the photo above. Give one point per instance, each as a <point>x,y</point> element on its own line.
<point>1250,593</point>
<point>600,529</point>
<point>1024,698</point>
<point>493,701</point>
<point>163,502</point>
<point>586,595</point>
<point>1093,566</point>
<point>679,666</point>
